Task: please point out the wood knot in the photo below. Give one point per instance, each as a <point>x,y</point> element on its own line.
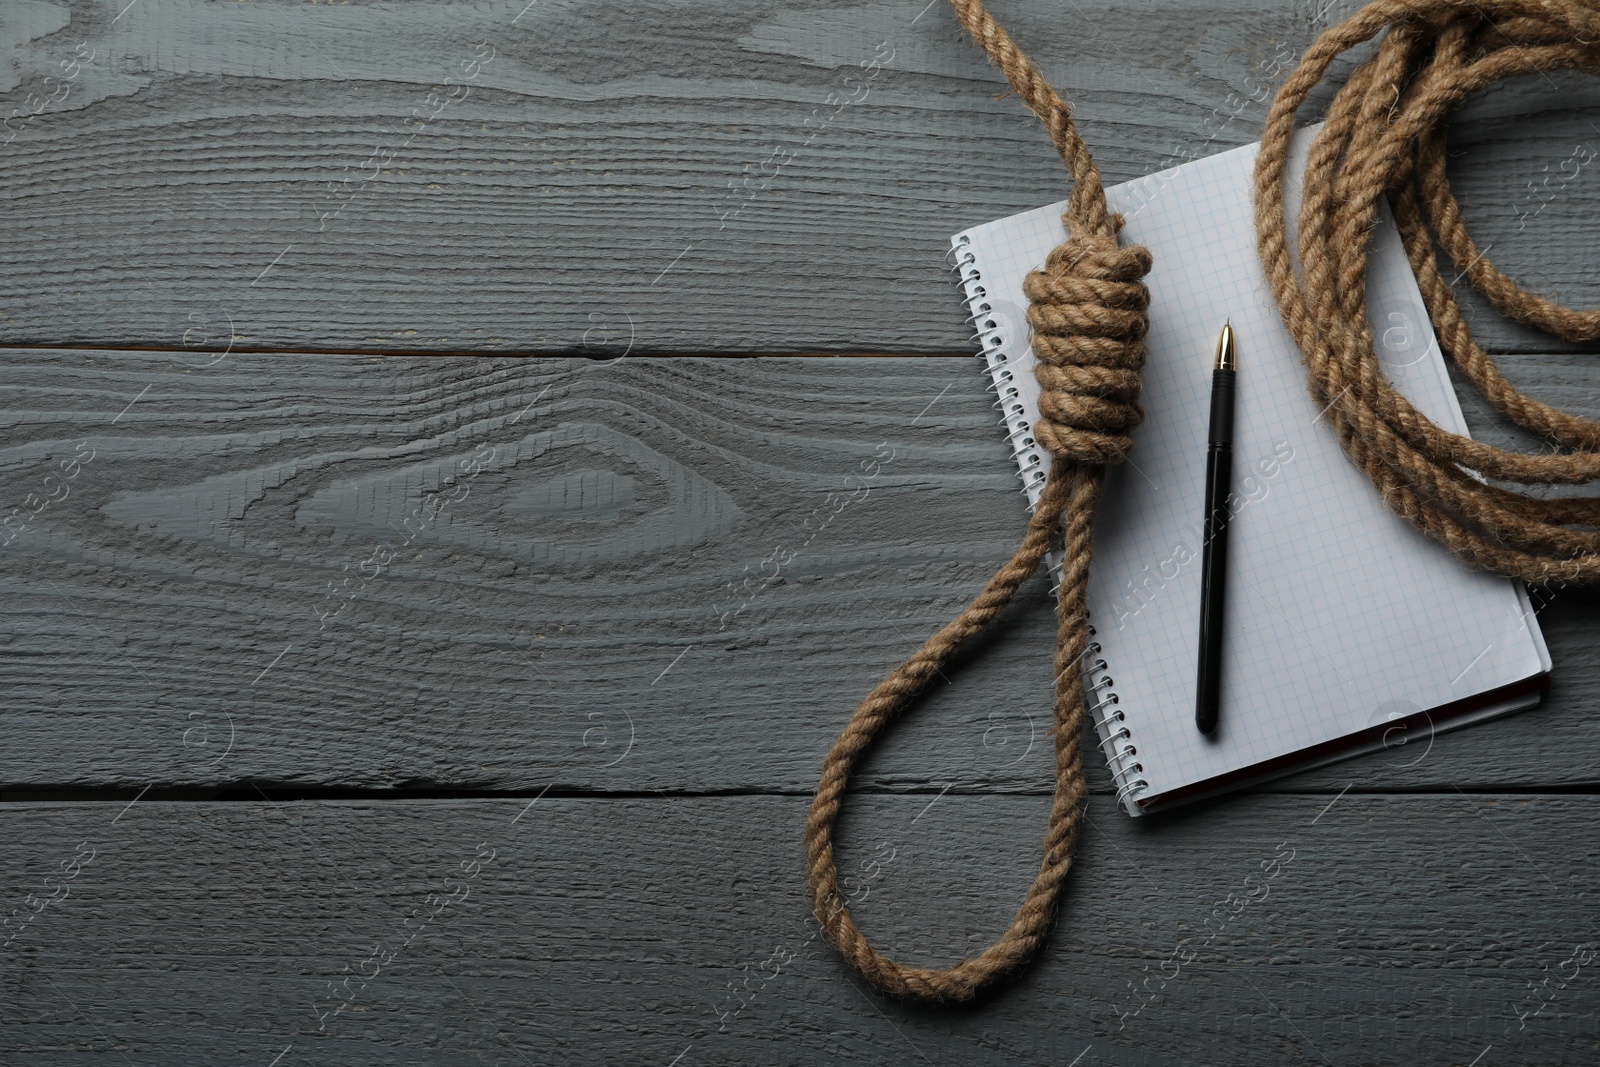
<point>1088,309</point>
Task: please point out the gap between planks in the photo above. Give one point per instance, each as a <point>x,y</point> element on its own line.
<point>254,792</point>
<point>365,353</point>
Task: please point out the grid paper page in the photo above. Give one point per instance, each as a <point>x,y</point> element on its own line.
<point>1339,615</point>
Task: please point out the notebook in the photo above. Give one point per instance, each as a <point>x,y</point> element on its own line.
<point>1346,630</point>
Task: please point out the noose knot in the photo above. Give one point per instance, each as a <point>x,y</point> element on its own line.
<point>1088,309</point>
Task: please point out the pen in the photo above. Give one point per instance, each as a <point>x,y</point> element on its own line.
<point>1214,551</point>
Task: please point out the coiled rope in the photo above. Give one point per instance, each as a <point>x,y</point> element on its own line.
<point>1384,135</point>
<point>1087,308</point>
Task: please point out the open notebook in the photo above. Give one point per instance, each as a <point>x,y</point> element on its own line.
<point>1346,630</point>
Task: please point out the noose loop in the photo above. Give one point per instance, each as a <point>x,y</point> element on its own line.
<point>1087,307</point>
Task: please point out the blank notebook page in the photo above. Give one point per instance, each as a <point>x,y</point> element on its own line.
<point>1340,616</point>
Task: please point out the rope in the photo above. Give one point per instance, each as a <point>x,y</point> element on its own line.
<point>1087,308</point>
<point>1384,136</point>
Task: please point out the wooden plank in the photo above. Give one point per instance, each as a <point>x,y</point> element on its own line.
<point>496,574</point>
<point>742,175</point>
<point>1266,929</point>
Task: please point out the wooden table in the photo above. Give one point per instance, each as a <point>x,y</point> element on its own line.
<point>399,667</point>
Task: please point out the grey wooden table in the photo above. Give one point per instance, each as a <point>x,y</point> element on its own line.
<point>392,673</point>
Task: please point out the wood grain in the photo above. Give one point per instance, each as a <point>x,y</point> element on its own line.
<point>728,176</point>
<point>557,578</point>
<point>1267,929</point>
<point>667,574</point>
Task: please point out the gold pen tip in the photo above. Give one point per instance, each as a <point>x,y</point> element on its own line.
<point>1225,354</point>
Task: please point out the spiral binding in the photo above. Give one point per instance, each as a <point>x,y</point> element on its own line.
<point>989,334</point>
<point>1111,725</point>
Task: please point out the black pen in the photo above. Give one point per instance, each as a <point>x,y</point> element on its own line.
<point>1214,553</point>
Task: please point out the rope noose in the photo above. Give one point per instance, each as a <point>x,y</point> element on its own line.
<point>1087,308</point>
